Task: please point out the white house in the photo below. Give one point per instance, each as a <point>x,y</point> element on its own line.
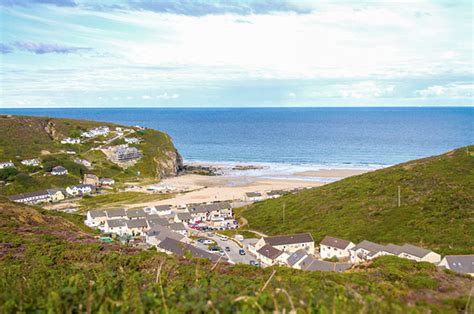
<point>419,254</point>
<point>289,243</point>
<point>106,181</point>
<point>459,263</point>
<point>270,255</point>
<point>57,194</point>
<point>161,210</point>
<point>70,140</point>
<point>133,214</point>
<point>137,227</point>
<point>116,226</point>
<point>31,198</point>
<point>295,259</point>
<point>83,162</point>
<point>132,140</point>
<point>7,164</point>
<point>254,196</point>
<point>118,213</point>
<point>334,247</point>
<point>275,193</point>
<point>365,251</point>
<point>31,162</point>
<point>95,218</point>
<point>59,171</point>
<point>80,189</point>
<point>184,217</point>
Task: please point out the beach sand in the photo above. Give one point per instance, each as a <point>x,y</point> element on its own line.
<point>227,188</point>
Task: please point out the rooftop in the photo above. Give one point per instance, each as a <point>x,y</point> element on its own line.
<point>335,242</point>
<point>269,251</point>
<point>289,239</point>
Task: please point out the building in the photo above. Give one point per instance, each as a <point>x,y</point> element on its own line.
<point>123,153</point>
<point>57,194</point>
<point>155,220</point>
<point>172,246</point>
<point>206,212</point>
<point>133,214</point>
<point>81,189</point>
<point>98,131</point>
<point>118,213</point>
<point>90,179</point>
<point>334,247</point>
<point>159,233</point>
<point>31,197</point>
<point>132,140</point>
<point>161,210</point>
<point>70,140</point>
<point>31,162</point>
<point>289,243</point>
<point>178,227</point>
<point>106,181</point>
<point>419,254</point>
<point>95,218</point>
<point>254,196</point>
<point>295,259</point>
<point>59,171</point>
<point>184,217</point>
<point>312,264</point>
<point>83,162</point>
<point>116,226</point>
<point>365,251</point>
<point>463,264</point>
<point>270,255</point>
<point>136,227</point>
<point>7,164</point>
<point>275,193</point>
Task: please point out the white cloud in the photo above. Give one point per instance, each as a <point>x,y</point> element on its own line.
<point>291,94</point>
<point>167,96</point>
<point>452,90</point>
<point>146,97</point>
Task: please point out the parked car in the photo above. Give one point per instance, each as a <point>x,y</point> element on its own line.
<point>207,241</point>
<point>227,249</point>
<point>221,252</point>
<point>215,249</point>
<point>242,252</point>
<point>210,234</point>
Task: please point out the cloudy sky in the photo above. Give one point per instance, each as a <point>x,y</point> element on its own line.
<point>188,53</point>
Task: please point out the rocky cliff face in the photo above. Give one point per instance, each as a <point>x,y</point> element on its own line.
<point>169,166</point>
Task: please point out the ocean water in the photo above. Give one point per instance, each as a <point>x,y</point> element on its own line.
<point>296,138</point>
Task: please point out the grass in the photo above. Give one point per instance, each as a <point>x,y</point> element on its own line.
<point>437,206</point>
<point>119,199</point>
<point>48,264</point>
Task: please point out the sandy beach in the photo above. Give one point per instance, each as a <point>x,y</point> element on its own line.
<point>226,188</point>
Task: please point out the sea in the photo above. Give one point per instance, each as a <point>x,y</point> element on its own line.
<point>285,140</point>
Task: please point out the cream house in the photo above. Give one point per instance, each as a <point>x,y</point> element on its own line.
<point>289,243</point>
<point>57,194</point>
<point>334,247</point>
<point>270,255</point>
<point>419,254</point>
<point>95,218</point>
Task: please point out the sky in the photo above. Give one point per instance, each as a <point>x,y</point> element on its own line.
<point>248,53</point>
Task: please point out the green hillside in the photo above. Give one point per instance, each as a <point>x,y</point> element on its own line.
<point>50,262</point>
<point>23,137</point>
<point>437,206</point>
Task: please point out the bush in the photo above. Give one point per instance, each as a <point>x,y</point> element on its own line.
<point>8,174</point>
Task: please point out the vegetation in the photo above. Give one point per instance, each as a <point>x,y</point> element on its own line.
<point>437,206</point>
<point>119,199</point>
<point>48,264</point>
<point>24,137</point>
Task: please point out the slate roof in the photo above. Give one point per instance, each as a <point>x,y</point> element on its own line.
<point>180,248</point>
<point>114,223</point>
<point>204,208</point>
<point>311,264</point>
<point>119,212</point>
<point>461,263</point>
<point>253,194</point>
<point>296,257</point>
<point>59,169</point>
<point>28,195</point>
<point>178,226</point>
<point>335,242</point>
<point>393,249</point>
<point>136,213</point>
<point>97,213</point>
<point>372,247</point>
<point>162,208</point>
<point>275,192</point>
<point>156,221</point>
<point>184,216</point>
<point>162,233</point>
<point>137,223</point>
<point>54,191</point>
<point>289,239</point>
<point>269,251</point>
<point>415,250</point>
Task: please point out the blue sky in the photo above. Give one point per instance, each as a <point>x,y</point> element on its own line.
<point>143,53</point>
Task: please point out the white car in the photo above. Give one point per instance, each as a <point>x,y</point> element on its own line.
<point>207,241</point>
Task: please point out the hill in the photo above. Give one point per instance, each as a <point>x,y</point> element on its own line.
<point>50,262</point>
<point>437,206</point>
<point>23,137</point>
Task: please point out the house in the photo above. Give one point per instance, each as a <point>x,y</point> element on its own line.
<point>184,217</point>
<point>83,162</point>
<point>392,249</point>
<point>419,254</point>
<point>80,189</point>
<point>136,227</point>
<point>206,212</point>
<point>7,164</point>
<point>116,226</point>
<point>106,181</point>
<point>31,162</point>
<point>118,213</point>
<point>178,227</point>
<point>57,194</point>
<point>158,233</point>
<point>275,193</point>
<point>90,179</point>
<point>132,140</point>
<point>463,264</point>
<point>310,263</point>
<point>334,247</point>
<point>59,171</point>
<point>70,140</point>
<point>122,153</point>
<point>254,196</point>
<point>95,218</point>
<point>289,243</point>
<point>31,197</point>
<point>161,210</point>
<point>365,251</point>
<point>155,220</point>
<point>98,131</point>
<point>295,259</point>
<point>270,255</point>
<point>136,214</point>
<point>172,246</point>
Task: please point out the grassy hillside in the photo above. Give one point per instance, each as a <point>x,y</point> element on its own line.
<point>23,137</point>
<point>51,263</point>
<point>437,206</point>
